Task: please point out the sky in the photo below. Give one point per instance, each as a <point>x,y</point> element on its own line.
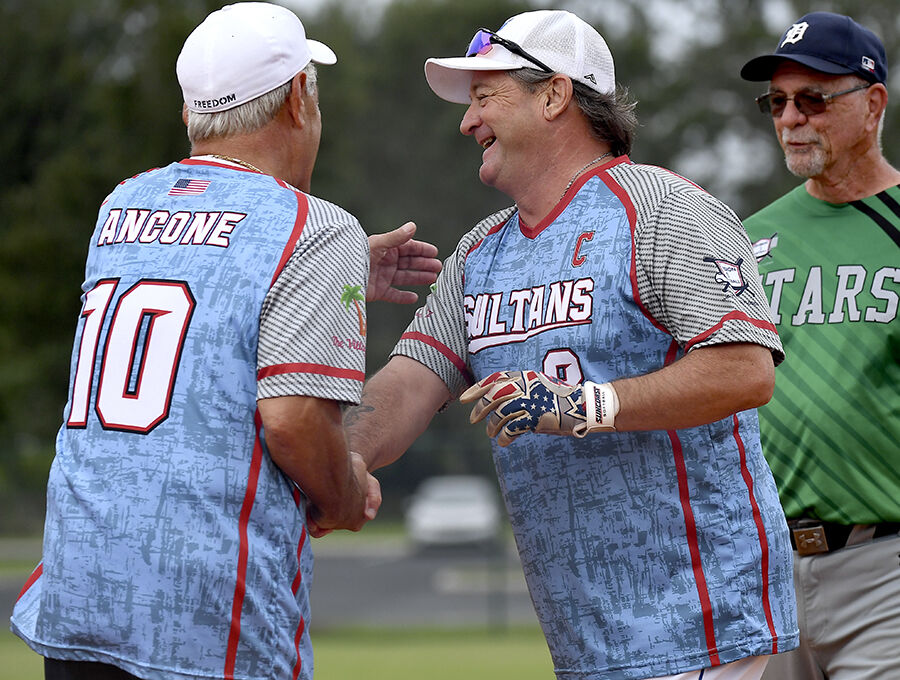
<point>674,22</point>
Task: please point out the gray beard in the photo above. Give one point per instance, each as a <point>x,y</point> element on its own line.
<point>806,165</point>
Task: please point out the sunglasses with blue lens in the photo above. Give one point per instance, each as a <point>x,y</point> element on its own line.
<point>483,40</point>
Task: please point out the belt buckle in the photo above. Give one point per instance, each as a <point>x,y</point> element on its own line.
<point>810,540</point>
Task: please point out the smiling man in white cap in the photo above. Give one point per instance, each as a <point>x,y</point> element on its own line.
<point>619,340</point>
<point>202,443</point>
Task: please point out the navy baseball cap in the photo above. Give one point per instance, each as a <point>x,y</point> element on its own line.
<point>831,43</point>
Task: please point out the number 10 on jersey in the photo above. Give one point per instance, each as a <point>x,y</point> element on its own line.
<point>140,356</point>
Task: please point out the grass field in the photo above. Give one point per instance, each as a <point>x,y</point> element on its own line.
<point>17,662</point>
<point>474,654</point>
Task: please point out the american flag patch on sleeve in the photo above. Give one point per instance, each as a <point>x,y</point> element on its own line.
<point>189,187</point>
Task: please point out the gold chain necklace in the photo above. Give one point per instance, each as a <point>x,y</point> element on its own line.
<point>238,161</point>
<point>575,176</point>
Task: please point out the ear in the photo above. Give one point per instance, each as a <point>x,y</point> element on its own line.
<point>876,98</point>
<point>184,114</point>
<point>557,94</point>
<point>297,100</point>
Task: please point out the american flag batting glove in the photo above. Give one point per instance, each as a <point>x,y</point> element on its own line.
<point>515,402</point>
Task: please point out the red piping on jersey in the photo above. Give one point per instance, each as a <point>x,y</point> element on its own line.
<point>625,199</point>
<point>240,585</point>
<point>35,575</point>
<point>443,349</point>
<point>492,230</point>
<point>198,161</point>
<point>318,369</point>
<point>690,526</point>
<point>299,223</point>
<point>690,529</point>
<point>600,170</point>
<point>297,637</point>
<point>295,586</point>
<point>731,316</point>
<point>761,530</point>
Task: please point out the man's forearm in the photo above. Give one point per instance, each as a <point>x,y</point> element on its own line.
<point>706,385</point>
<point>306,440</point>
<point>397,405</point>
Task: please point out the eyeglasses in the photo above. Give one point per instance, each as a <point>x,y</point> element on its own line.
<point>807,103</point>
<point>483,40</point>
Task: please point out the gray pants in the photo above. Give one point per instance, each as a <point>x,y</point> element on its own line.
<point>848,606</point>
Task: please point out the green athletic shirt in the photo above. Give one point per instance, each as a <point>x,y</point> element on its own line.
<point>831,433</point>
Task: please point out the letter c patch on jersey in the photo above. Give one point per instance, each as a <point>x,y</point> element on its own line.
<point>577,258</point>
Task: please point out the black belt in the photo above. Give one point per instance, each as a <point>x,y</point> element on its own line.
<point>812,536</point>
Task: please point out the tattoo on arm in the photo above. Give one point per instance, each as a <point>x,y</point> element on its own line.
<point>356,413</point>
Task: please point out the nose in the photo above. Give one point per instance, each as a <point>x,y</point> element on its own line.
<point>470,121</point>
<point>791,116</point>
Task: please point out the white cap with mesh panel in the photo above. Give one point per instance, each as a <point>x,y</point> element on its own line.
<point>559,39</point>
<point>243,51</point>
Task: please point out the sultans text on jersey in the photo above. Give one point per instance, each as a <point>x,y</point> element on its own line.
<point>533,310</point>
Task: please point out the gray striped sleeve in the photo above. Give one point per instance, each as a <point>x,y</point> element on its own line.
<point>695,270</point>
<point>437,335</point>
<point>312,325</point>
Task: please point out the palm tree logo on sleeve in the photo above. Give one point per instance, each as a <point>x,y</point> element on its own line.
<point>355,295</point>
<point>729,274</point>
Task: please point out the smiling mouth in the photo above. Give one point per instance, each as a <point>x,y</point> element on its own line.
<point>488,141</point>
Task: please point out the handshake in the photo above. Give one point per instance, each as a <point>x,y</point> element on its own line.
<point>515,402</point>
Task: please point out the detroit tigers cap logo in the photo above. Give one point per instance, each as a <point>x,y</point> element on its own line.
<point>794,34</point>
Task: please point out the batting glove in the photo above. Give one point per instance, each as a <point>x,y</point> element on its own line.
<point>515,402</point>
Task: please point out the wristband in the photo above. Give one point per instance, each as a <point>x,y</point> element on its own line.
<point>601,404</point>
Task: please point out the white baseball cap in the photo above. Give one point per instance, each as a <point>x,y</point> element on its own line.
<point>557,39</point>
<point>242,51</point>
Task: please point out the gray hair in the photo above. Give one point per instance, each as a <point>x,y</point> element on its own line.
<point>246,118</point>
<point>612,117</point>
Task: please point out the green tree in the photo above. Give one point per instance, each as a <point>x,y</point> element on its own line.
<point>355,295</point>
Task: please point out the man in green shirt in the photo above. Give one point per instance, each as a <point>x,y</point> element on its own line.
<point>829,257</point>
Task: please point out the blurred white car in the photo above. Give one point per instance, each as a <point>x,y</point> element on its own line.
<point>453,510</point>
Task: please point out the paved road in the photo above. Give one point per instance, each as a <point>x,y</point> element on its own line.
<point>397,586</point>
<point>368,583</point>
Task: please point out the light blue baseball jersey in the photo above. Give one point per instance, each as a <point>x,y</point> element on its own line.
<point>645,553</point>
<point>174,547</point>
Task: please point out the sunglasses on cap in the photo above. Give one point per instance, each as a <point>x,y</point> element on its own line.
<point>483,40</point>
<point>807,103</point>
